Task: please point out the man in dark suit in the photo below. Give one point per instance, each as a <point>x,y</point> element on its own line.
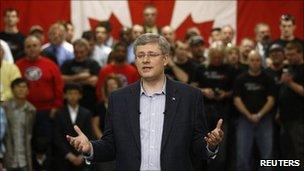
<point>155,123</point>
<point>72,113</point>
<point>149,16</point>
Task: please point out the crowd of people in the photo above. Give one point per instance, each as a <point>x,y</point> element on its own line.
<point>257,87</point>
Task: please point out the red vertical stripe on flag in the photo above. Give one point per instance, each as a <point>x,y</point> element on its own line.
<point>43,13</point>
<point>249,13</point>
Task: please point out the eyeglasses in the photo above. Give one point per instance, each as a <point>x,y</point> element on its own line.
<point>149,55</point>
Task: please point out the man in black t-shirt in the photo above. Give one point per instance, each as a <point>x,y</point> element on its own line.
<point>276,54</point>
<point>82,70</point>
<point>215,81</point>
<point>291,103</point>
<point>254,99</point>
<point>197,47</point>
<point>11,34</point>
<point>181,61</point>
<point>287,27</point>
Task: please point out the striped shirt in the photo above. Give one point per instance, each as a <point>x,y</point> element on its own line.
<point>152,109</point>
<point>3,123</point>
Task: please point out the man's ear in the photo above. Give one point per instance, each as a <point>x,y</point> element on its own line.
<point>166,59</point>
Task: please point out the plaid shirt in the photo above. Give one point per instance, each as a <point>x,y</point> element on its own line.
<point>3,124</point>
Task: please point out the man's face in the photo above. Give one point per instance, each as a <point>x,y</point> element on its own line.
<point>101,34</point>
<point>137,31</point>
<point>246,47</point>
<point>20,91</point>
<point>57,34</point>
<point>32,48</point>
<point>150,61</point>
<point>197,50</point>
<point>216,36</point>
<point>216,59</point>
<point>263,33</point>
<point>233,57</point>
<point>70,32</point>
<point>168,33</point>
<point>254,62</point>
<point>150,14</point>
<point>73,96</point>
<point>121,52</point>
<point>181,52</point>
<point>81,52</point>
<point>277,57</point>
<point>112,85</point>
<point>11,18</point>
<point>287,28</point>
<point>92,46</point>
<point>293,56</point>
<point>227,34</point>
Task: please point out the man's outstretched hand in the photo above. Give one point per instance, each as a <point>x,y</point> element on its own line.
<point>81,143</point>
<point>214,137</point>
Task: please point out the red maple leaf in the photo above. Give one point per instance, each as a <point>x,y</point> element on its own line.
<point>115,24</point>
<point>204,27</point>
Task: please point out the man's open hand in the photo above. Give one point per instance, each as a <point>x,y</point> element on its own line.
<point>81,143</point>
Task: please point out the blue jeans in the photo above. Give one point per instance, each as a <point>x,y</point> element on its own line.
<point>247,133</point>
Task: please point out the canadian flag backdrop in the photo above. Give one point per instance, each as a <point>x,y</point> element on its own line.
<point>242,15</point>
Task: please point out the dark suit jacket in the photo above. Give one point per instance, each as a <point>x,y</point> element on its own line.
<point>183,131</point>
<point>64,126</point>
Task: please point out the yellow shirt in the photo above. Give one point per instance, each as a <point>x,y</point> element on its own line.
<point>8,73</point>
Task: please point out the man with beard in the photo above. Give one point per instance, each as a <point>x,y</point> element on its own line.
<point>197,48</point>
<point>275,70</point>
<point>291,106</point>
<point>127,73</point>
<point>228,34</point>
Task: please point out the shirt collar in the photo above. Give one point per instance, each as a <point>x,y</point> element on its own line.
<point>143,91</point>
<point>14,105</point>
<point>73,109</point>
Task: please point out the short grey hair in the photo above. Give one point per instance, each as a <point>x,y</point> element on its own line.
<point>81,42</point>
<point>152,38</point>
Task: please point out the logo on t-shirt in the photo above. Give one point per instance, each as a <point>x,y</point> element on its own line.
<point>214,75</point>
<point>123,79</point>
<point>252,86</point>
<point>33,73</point>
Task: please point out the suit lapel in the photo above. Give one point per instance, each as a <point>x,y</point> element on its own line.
<point>172,100</point>
<point>67,119</point>
<point>133,109</point>
<point>78,117</point>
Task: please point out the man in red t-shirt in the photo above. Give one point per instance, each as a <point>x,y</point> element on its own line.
<point>43,76</point>
<point>118,66</point>
<point>45,86</point>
